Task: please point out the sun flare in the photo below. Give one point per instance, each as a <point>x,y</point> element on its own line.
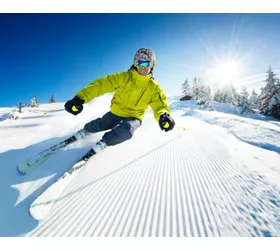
<point>226,72</point>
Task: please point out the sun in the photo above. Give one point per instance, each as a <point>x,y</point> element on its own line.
<point>225,72</point>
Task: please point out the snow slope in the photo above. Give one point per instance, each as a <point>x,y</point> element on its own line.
<point>215,174</point>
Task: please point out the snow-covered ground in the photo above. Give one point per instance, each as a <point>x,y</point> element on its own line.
<point>215,174</point>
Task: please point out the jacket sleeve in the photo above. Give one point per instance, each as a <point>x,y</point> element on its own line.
<point>100,86</point>
<point>159,103</point>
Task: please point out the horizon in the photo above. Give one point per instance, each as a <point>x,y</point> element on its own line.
<point>59,54</point>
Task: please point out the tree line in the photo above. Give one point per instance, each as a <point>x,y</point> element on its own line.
<point>33,103</point>
<point>267,102</point>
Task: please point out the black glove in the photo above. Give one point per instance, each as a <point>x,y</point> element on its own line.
<point>166,123</point>
<point>74,106</point>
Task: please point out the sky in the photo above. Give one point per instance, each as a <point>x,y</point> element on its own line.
<point>213,165</point>
<point>59,53</point>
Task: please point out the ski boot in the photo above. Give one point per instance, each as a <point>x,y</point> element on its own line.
<point>99,146</point>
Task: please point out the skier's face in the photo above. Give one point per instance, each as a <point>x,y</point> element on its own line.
<point>143,67</point>
<point>143,70</point>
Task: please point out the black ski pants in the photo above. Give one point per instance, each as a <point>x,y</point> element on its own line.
<point>121,128</point>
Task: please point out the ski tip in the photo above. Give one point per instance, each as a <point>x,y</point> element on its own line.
<point>23,168</point>
<point>40,208</point>
<point>36,214</point>
<point>21,172</point>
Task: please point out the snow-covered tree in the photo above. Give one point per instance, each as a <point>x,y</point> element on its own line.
<point>194,88</point>
<point>244,102</point>
<point>52,99</point>
<point>224,94</point>
<point>217,95</point>
<point>186,89</point>
<point>253,101</point>
<point>203,94</point>
<point>274,104</point>
<point>267,92</point>
<point>234,96</point>
<point>34,102</point>
<point>227,94</point>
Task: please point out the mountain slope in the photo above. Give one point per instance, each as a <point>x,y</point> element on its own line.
<point>176,185</point>
<point>201,181</point>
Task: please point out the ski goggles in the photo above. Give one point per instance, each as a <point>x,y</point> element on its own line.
<point>141,63</point>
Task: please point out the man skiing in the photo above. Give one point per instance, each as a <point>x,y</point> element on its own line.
<point>135,90</point>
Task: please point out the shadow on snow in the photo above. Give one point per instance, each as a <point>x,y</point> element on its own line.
<point>14,216</point>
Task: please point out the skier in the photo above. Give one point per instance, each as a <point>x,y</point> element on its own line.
<point>135,90</point>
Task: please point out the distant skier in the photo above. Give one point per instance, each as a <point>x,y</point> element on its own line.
<point>135,90</point>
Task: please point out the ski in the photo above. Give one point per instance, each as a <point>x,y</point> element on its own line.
<point>41,207</point>
<point>26,166</point>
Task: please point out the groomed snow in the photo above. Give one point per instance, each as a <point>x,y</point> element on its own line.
<point>215,174</point>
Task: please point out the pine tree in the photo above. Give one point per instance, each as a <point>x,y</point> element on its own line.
<point>235,97</point>
<point>34,102</point>
<point>52,99</point>
<point>222,95</point>
<point>253,101</point>
<point>267,92</point>
<point>274,104</point>
<point>194,88</point>
<point>217,96</point>
<point>244,102</point>
<point>203,94</point>
<point>226,96</point>
<point>186,90</point>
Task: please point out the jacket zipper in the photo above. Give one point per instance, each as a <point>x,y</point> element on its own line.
<point>142,93</point>
<point>140,97</point>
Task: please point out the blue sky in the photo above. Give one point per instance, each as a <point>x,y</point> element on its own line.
<point>45,54</point>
